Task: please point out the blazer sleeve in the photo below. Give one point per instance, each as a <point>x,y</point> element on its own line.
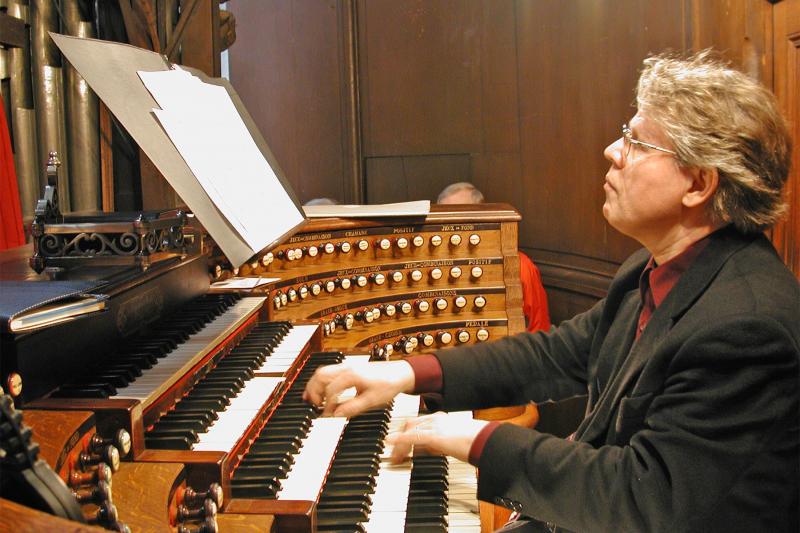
<point>730,396</point>
<point>522,368</point>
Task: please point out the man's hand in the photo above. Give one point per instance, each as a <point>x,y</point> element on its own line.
<point>442,433</point>
<point>375,384</point>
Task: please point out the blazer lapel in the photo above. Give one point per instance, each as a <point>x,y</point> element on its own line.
<point>689,288</point>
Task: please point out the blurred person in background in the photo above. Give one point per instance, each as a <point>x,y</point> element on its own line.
<point>534,299</point>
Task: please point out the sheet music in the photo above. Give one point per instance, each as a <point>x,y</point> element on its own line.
<point>204,125</point>
<point>401,209</point>
<point>242,283</point>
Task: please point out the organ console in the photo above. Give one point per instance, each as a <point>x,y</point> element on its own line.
<point>178,407</point>
<point>452,275</point>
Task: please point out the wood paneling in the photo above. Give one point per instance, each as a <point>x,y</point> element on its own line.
<point>421,76</point>
<point>740,29</point>
<point>578,67</point>
<point>438,85</point>
<point>200,46</point>
<point>573,282</point>
<point>396,179</point>
<point>286,65</point>
<point>786,235</point>
<point>519,97</point>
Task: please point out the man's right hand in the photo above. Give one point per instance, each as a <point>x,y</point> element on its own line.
<point>375,383</point>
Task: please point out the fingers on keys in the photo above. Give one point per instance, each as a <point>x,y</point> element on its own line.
<point>403,442</point>
<point>315,391</point>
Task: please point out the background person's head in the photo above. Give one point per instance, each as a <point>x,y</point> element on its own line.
<point>719,118</point>
<point>321,201</point>
<point>460,193</point>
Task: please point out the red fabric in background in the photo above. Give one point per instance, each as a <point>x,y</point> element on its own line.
<point>11,233</point>
<point>534,299</point>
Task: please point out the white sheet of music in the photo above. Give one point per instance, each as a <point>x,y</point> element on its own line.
<point>402,209</point>
<point>242,283</point>
<point>208,132</point>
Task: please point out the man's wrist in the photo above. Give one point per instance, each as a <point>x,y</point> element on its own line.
<point>408,378</point>
<point>427,373</point>
<point>479,442</point>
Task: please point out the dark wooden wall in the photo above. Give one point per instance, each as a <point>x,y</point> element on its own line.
<point>391,100</point>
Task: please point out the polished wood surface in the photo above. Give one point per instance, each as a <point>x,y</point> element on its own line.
<point>21,519</point>
<point>257,523</point>
<point>61,435</point>
<point>494,253</point>
<point>110,414</point>
<point>289,515</point>
<point>143,493</point>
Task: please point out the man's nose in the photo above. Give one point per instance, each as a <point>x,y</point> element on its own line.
<point>613,152</point>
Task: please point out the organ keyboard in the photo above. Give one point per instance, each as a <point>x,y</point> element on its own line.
<point>208,383</point>
<point>301,463</point>
<point>154,381</point>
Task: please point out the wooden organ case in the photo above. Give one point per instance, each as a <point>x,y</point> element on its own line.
<point>207,382</point>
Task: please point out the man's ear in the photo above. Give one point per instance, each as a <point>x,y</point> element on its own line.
<point>702,188</point>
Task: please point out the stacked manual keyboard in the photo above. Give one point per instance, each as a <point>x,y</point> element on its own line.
<point>344,467</point>
<point>147,352</point>
<point>276,452</point>
<point>231,388</point>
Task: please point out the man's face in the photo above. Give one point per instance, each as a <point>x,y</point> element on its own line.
<point>644,189</point>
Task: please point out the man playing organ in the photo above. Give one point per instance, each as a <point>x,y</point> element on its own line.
<point>691,362</point>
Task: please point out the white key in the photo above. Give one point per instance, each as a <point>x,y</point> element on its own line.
<point>226,431</point>
<point>350,393</point>
<point>463,514</point>
<point>389,502</point>
<point>304,480</point>
<point>285,353</point>
<point>321,455</point>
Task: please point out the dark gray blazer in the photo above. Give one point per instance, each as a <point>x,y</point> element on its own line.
<point>694,427</point>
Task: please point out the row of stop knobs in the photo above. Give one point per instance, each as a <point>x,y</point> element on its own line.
<point>90,478</point>
<point>362,245</point>
<point>406,345</point>
<point>291,295</point>
<point>367,315</point>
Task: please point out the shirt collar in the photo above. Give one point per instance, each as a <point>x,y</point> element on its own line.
<point>662,278</point>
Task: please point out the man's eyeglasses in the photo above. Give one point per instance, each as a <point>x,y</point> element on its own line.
<point>628,141</point>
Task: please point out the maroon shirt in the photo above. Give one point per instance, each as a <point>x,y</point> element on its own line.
<point>655,283</point>
<point>657,280</point>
